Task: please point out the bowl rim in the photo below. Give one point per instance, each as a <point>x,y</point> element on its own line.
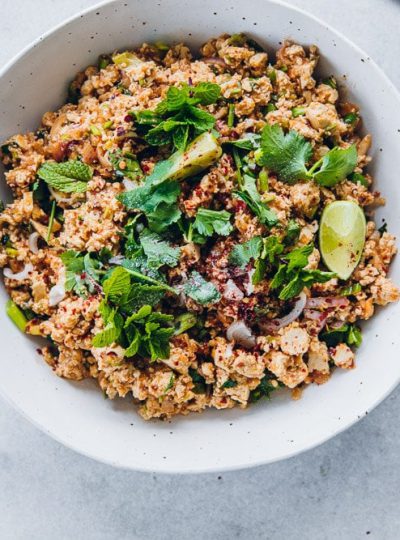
<point>240,465</point>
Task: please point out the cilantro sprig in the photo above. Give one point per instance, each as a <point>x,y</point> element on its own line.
<point>177,119</point>
<point>288,154</point>
<point>201,290</point>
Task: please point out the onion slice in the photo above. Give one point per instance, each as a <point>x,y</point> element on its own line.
<point>276,324</point>
<point>33,242</point>
<point>232,291</point>
<point>215,60</point>
<point>57,292</point>
<point>325,302</point>
<point>19,276</point>
<point>241,334</point>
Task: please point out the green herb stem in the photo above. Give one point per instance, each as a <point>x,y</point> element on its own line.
<point>51,221</point>
<point>16,315</point>
<point>231,115</point>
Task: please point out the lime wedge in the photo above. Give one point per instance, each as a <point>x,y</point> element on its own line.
<point>342,236</point>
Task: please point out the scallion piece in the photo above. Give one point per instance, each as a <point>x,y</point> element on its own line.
<point>16,315</point>
<point>51,221</point>
<point>231,115</point>
<point>298,111</point>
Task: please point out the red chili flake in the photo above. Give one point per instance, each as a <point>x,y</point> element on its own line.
<point>39,351</point>
<point>128,118</point>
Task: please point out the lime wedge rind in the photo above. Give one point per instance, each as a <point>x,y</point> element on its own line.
<point>342,237</point>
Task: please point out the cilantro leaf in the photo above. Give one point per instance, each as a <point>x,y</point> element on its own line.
<point>335,166</point>
<point>304,278</point>
<point>252,198</point>
<point>69,177</point>
<point>158,251</point>
<point>286,155</point>
<point>292,232</point>
<point>200,290</point>
<point>242,254</point>
<point>158,204</point>
<point>177,118</point>
<point>208,222</point>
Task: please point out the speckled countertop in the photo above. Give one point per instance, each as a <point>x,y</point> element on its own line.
<point>349,488</point>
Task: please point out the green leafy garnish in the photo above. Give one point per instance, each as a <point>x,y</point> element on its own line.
<point>177,119</point>
<point>264,389</point>
<point>200,290</point>
<point>283,154</point>
<point>291,276</point>
<point>348,333</point>
<point>51,221</point>
<point>125,166</point>
<point>184,322</point>
<point>242,254</point>
<point>84,271</point>
<point>358,178</point>
<point>287,156</point>
<point>200,386</point>
<point>69,177</point>
<point>229,383</point>
<point>250,141</point>
<point>350,118</point>
<point>335,166</point>
<point>249,194</point>
<point>351,290</point>
<point>208,222</point>
<point>158,251</point>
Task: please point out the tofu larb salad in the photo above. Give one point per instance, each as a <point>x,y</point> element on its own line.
<point>196,232</point>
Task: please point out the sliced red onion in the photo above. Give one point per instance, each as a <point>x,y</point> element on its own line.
<point>57,292</point>
<point>33,242</point>
<point>325,302</point>
<point>19,276</point>
<point>241,334</point>
<point>232,291</point>
<point>276,324</point>
<point>117,259</point>
<point>319,317</point>
<point>248,285</point>
<point>128,184</point>
<point>214,60</point>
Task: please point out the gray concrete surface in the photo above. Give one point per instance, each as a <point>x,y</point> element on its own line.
<point>346,489</point>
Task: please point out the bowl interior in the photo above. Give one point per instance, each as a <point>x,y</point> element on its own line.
<point>111,431</point>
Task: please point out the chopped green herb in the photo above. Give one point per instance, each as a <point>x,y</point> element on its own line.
<point>231,114</point>
<point>351,290</point>
<point>229,383</point>
<point>158,251</point>
<point>69,176</point>
<point>184,322</point>
<point>202,291</point>
<point>298,111</point>
<point>208,222</point>
<point>358,178</point>
<point>350,118</point>
<point>126,166</point>
<point>348,333</point>
<point>242,254</point>
<point>249,194</point>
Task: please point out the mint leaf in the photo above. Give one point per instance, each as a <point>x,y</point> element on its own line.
<point>335,166</point>
<point>208,222</point>
<point>252,198</point>
<point>286,155</point>
<point>111,332</point>
<point>69,177</point>
<point>205,93</point>
<point>200,290</point>
<point>242,254</point>
<point>305,278</point>
<point>158,251</point>
<point>292,232</point>
<point>140,295</point>
<point>116,285</point>
<point>83,272</point>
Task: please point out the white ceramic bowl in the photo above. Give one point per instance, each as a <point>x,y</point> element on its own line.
<point>111,431</point>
